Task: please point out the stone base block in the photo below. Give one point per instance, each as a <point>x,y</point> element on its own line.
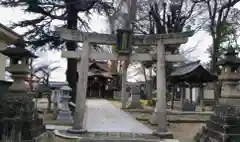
<point>134,102</point>
<point>230,101</point>
<point>163,135</point>
<point>65,117</point>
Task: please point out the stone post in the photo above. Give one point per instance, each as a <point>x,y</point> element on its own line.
<point>124,94</point>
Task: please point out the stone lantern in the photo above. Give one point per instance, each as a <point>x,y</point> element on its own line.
<point>224,124</point>
<point>230,77</point>
<point>65,115</point>
<point>19,120</point>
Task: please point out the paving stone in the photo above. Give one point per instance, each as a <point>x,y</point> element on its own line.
<point>102,116</point>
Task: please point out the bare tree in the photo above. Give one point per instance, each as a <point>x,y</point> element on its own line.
<point>42,73</point>
<point>220,12</point>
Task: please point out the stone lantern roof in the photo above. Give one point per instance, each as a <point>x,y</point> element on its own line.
<point>230,58</point>
<point>66,88</point>
<point>18,52</point>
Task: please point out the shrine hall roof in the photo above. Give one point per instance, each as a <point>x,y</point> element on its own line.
<point>192,72</point>
<point>103,74</point>
<point>103,66</point>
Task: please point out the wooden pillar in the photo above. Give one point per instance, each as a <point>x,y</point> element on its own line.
<point>190,93</point>
<point>173,96</point>
<point>182,91</point>
<point>80,110</point>
<point>100,91</point>
<point>161,88</point>
<point>201,95</point>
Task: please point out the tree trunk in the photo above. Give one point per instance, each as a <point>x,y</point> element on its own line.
<point>31,75</point>
<point>214,68</point>
<point>146,81</point>
<point>48,95</point>
<point>71,72</point>
<point>114,64</point>
<point>173,97</point>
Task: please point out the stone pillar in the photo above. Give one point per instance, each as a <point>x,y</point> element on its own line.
<point>80,109</point>
<point>161,114</point>
<point>124,94</point>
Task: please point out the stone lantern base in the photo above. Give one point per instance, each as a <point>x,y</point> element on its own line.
<point>223,126</point>
<point>65,117</point>
<point>134,102</point>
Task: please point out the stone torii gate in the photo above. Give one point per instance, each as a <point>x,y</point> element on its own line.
<point>158,40</point>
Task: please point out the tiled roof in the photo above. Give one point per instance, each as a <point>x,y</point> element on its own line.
<point>192,72</point>
<point>102,65</point>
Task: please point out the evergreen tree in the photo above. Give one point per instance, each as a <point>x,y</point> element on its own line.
<point>41,32</point>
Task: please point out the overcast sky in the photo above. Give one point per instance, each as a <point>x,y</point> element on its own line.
<point>99,24</point>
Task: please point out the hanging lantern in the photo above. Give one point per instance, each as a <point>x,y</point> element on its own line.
<point>123,43</point>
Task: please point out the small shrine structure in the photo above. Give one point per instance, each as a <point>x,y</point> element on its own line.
<point>190,75</point>
<point>223,125</point>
